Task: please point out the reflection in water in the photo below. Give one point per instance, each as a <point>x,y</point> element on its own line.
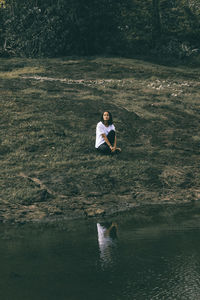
<point>63,261</point>
<point>107,238</point>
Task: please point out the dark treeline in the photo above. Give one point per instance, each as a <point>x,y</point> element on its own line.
<point>52,28</point>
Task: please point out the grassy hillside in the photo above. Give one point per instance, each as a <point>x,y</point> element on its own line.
<point>49,111</point>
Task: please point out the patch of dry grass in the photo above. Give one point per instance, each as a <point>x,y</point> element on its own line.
<point>17,72</point>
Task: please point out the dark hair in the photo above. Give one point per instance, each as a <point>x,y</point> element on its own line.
<point>110,121</point>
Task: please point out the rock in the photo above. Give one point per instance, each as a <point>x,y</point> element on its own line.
<point>100,211</point>
<point>92,212</point>
<point>54,211</point>
<point>197,195</point>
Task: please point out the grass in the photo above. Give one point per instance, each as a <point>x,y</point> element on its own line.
<point>49,110</point>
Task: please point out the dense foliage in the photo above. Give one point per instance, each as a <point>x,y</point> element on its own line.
<point>78,27</point>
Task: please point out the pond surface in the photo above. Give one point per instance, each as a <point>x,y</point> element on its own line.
<point>75,260</point>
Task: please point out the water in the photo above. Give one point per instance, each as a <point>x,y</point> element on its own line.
<point>152,260</point>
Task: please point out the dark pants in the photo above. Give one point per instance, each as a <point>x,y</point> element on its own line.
<point>104,148</point>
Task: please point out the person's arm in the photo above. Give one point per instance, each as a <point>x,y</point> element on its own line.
<point>108,231</point>
<point>107,141</point>
<point>115,143</point>
<point>112,148</point>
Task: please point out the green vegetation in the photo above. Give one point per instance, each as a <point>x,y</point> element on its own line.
<point>49,111</point>
<point>126,28</point>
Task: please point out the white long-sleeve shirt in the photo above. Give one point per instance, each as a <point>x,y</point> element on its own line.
<point>102,129</point>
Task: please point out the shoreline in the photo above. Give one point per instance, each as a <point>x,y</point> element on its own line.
<point>36,215</point>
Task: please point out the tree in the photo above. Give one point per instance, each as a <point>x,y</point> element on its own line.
<point>77,27</point>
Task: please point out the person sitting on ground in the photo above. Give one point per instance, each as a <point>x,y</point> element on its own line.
<point>106,141</point>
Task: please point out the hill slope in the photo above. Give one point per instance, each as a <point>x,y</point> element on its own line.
<point>49,111</point>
